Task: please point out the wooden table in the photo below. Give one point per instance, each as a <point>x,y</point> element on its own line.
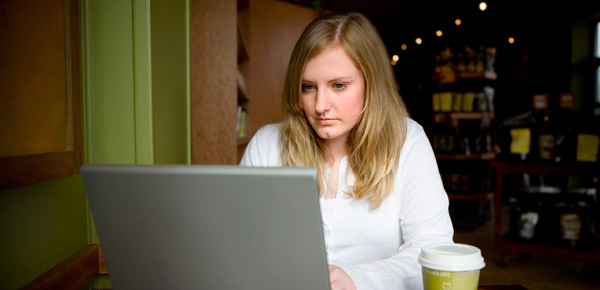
<point>501,287</point>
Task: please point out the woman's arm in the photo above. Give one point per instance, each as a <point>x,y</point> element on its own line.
<point>424,219</point>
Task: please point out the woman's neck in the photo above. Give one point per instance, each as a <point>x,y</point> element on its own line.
<point>337,149</point>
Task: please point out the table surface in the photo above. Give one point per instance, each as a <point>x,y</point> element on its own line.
<point>501,287</point>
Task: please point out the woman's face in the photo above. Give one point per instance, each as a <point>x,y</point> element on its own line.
<point>333,94</point>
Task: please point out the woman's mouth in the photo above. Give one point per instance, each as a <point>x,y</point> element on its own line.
<point>326,121</point>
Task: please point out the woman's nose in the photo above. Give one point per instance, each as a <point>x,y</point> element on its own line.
<point>322,103</point>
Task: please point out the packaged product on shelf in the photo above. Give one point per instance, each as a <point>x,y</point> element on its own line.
<point>482,102</point>
<point>456,101</point>
<point>242,123</point>
<point>546,146</point>
<point>490,56</point>
<point>587,147</point>
<point>471,61</point>
<point>489,94</point>
<point>520,141</point>
<point>573,223</point>
<point>467,101</point>
<point>527,224</point>
<point>528,216</point>
<point>446,101</point>
<point>570,227</point>
<point>479,65</point>
<point>436,102</point>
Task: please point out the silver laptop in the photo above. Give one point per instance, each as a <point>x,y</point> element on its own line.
<point>208,226</point>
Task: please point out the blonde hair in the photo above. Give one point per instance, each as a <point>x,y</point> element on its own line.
<point>374,144</point>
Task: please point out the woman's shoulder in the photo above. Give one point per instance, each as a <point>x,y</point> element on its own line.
<point>263,149</point>
<point>269,131</point>
<point>267,135</point>
<point>413,128</point>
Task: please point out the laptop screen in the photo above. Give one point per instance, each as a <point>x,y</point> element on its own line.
<point>208,226</point>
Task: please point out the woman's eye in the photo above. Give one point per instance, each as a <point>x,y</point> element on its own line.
<point>339,86</point>
<point>307,87</point>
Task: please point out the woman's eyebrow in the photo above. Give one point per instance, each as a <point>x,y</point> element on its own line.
<point>337,79</point>
<point>340,79</point>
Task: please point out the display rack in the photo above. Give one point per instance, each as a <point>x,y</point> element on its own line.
<point>544,246</point>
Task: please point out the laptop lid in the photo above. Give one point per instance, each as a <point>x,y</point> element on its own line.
<point>208,226</point>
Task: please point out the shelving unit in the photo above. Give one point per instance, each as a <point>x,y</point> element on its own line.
<point>545,244</point>
<point>268,32</point>
<point>243,61</point>
<point>465,171</point>
<point>461,132</point>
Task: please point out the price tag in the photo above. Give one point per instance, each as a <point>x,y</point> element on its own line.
<point>540,101</point>
<point>587,147</point>
<point>566,100</point>
<point>521,139</point>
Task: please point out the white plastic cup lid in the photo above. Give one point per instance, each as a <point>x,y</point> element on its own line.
<point>451,257</point>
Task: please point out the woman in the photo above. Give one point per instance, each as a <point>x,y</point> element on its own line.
<point>381,193</point>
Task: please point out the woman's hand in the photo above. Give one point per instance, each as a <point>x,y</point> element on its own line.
<point>339,279</point>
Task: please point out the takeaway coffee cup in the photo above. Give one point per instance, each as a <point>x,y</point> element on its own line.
<point>451,266</point>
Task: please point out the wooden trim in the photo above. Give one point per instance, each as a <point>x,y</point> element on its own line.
<point>101,262</point>
<point>26,170</point>
<point>73,273</point>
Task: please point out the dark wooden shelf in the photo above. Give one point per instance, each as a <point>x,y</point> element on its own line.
<point>450,78</point>
<point>546,168</point>
<point>464,196</point>
<point>242,95</point>
<point>449,156</point>
<point>243,50</point>
<point>488,75</point>
<point>465,115</point>
<point>243,142</point>
<point>516,247</point>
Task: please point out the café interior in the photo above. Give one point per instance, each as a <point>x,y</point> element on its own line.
<point>508,93</point>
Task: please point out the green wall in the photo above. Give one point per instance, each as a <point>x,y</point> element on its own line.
<point>40,226</point>
<point>136,96</point>
<point>136,92</point>
<point>135,75</point>
<point>170,79</point>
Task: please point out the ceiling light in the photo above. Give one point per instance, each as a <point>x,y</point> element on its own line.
<point>511,40</point>
<point>418,40</point>
<point>482,6</point>
<point>438,33</point>
<point>395,57</point>
<point>404,46</point>
<point>457,21</point>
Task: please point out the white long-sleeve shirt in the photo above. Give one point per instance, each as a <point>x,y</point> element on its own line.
<point>378,248</point>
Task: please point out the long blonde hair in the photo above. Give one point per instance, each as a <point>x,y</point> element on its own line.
<point>374,144</point>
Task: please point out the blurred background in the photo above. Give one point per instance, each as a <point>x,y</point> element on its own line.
<point>507,91</point>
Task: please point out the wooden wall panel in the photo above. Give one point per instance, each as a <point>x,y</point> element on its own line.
<point>40,99</point>
<point>275,26</point>
<point>213,81</point>
<point>33,77</point>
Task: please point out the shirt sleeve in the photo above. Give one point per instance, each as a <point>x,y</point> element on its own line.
<point>424,219</point>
